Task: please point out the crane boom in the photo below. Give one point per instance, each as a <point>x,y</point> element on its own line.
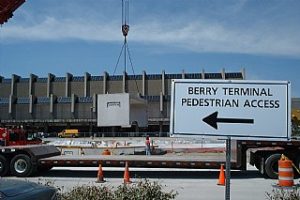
<point>7,7</point>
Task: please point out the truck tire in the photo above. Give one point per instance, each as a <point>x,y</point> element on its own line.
<point>21,166</point>
<point>271,166</point>
<point>4,167</point>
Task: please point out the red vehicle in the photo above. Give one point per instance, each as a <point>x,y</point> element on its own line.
<point>17,136</point>
<point>20,152</point>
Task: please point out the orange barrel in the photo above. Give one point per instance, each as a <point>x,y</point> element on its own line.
<point>285,173</point>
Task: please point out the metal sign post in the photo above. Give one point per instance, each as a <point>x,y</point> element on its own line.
<point>228,168</point>
<point>230,108</point>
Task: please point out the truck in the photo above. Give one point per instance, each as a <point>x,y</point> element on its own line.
<point>264,155</point>
<point>69,133</point>
<point>20,152</point>
<point>17,136</point>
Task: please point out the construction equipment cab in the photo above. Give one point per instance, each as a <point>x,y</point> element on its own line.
<point>17,136</point>
<point>69,133</point>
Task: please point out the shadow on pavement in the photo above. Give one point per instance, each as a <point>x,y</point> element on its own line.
<point>152,174</point>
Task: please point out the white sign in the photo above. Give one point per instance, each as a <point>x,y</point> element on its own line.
<point>231,108</point>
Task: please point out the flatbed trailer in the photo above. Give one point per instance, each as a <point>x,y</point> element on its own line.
<point>264,155</point>
<point>155,161</point>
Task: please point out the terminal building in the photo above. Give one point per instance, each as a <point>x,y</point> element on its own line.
<point>51,104</point>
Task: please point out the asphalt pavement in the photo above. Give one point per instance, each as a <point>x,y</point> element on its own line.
<point>190,184</point>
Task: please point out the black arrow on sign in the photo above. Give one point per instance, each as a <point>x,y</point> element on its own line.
<point>213,119</point>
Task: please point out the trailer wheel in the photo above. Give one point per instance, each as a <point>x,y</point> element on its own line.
<point>271,166</point>
<point>21,166</point>
<point>3,166</point>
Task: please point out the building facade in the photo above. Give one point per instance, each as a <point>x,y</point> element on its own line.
<point>53,103</point>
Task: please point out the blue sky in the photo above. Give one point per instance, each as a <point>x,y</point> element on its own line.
<point>77,36</point>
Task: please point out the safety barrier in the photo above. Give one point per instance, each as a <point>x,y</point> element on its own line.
<point>285,172</point>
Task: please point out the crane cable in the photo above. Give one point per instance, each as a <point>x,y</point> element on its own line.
<point>125,48</point>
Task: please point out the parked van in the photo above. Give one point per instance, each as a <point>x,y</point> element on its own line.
<point>69,133</point>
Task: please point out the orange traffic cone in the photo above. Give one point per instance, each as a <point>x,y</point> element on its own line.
<point>100,178</point>
<point>126,174</point>
<point>222,176</point>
